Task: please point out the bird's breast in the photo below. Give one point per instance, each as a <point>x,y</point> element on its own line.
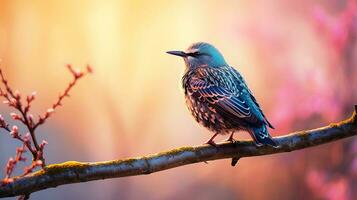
<point>205,115</point>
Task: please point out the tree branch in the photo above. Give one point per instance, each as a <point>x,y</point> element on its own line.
<point>74,172</point>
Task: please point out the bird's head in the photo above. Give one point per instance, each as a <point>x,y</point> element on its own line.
<point>201,54</point>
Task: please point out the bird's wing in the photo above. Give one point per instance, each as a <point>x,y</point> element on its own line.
<point>224,100</point>
<point>241,79</point>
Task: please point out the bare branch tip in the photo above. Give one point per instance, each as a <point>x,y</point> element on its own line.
<point>89,69</point>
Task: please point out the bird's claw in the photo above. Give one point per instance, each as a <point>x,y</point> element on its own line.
<point>211,142</point>
<point>231,140</point>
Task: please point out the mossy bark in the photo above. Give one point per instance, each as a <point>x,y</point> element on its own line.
<point>74,172</point>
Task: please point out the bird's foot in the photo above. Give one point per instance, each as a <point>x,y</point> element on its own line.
<point>211,142</point>
<point>258,144</point>
<point>231,139</point>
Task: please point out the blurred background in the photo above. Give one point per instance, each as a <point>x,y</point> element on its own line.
<point>299,59</point>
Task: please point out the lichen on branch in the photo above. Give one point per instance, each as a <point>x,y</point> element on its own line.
<point>75,172</point>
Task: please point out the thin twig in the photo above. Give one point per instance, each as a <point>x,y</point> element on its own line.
<point>14,99</point>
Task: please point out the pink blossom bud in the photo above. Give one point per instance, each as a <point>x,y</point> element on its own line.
<point>43,143</point>
<point>89,69</point>
<point>27,137</point>
<point>78,73</point>
<point>2,121</point>
<point>30,117</point>
<point>5,102</point>
<point>15,129</point>
<point>31,97</point>
<point>15,116</point>
<point>38,162</point>
<point>13,102</point>
<point>20,150</point>
<point>14,132</point>
<point>11,160</point>
<point>17,94</point>
<point>50,110</point>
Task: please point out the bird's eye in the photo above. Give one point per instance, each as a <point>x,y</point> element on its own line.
<point>194,54</point>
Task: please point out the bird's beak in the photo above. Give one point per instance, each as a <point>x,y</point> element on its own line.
<point>177,53</point>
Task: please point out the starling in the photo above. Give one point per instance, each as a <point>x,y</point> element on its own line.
<point>219,98</point>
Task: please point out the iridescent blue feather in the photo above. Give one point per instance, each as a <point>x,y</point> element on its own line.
<point>218,97</point>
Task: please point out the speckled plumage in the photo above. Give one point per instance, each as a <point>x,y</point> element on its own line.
<point>219,98</point>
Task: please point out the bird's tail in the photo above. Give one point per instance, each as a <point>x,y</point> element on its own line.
<point>262,137</point>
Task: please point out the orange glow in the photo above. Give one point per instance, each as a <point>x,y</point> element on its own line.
<point>133,103</point>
